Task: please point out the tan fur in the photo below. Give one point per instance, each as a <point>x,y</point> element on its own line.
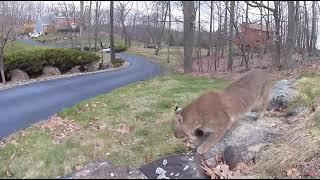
<point>214,112</point>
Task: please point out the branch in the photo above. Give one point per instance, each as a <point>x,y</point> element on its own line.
<point>259,5</point>
<point>7,36</point>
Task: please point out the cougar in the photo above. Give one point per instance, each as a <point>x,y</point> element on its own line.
<point>206,119</point>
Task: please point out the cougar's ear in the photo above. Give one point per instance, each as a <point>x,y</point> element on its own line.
<point>178,110</point>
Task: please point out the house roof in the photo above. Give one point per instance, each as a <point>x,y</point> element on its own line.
<point>256,26</point>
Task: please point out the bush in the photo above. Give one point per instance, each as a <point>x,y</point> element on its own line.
<point>118,62</point>
<point>33,61</point>
<point>119,48</point>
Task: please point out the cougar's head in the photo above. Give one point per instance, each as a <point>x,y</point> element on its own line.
<point>183,126</point>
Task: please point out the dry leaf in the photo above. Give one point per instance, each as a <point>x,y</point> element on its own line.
<point>293,173</point>
<point>209,172</point>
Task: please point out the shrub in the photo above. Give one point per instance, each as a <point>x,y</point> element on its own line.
<point>119,48</point>
<point>33,61</point>
<point>118,62</point>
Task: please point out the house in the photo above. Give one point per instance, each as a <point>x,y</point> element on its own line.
<point>48,24</point>
<point>45,24</point>
<point>253,35</point>
<point>63,23</point>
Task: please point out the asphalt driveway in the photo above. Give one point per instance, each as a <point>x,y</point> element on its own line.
<point>22,106</point>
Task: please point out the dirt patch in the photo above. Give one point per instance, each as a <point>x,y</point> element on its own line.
<point>58,128</point>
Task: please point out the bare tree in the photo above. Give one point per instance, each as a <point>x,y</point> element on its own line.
<point>306,26</point>
<point>156,21</point>
<point>96,23</point>
<point>313,39</point>
<point>169,32</point>
<point>7,24</point>
<point>90,25</point>
<point>225,28</point>
<point>124,9</point>
<point>163,20</point>
<point>277,20</point>
<point>188,29</point>
<point>113,58</point>
<point>291,37</point>
<point>199,35</point>
<point>81,23</point>
<point>231,52</point>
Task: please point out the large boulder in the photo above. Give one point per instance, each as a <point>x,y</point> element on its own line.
<point>18,75</point>
<point>50,70</point>
<point>283,94</point>
<point>75,69</point>
<point>93,66</point>
<point>244,133</point>
<point>103,169</point>
<point>176,166</point>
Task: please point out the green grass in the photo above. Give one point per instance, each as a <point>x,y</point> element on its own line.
<point>309,91</point>
<point>15,46</point>
<point>175,55</point>
<point>146,108</point>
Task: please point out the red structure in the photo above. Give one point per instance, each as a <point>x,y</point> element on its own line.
<point>62,23</point>
<point>253,35</point>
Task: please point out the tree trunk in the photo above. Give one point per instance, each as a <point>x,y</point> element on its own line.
<point>199,34</point>
<point>277,35</point>
<point>188,32</point>
<point>113,58</point>
<point>2,67</point>
<point>290,41</point>
<point>90,26</point>
<point>313,28</point>
<point>225,30</point>
<point>297,26</point>
<point>132,31</point>
<point>169,32</point>
<point>230,51</point>
<point>306,30</point>
<point>96,26</point>
<point>158,43</point>
<point>218,48</point>
<point>210,36</point>
<point>81,24</point>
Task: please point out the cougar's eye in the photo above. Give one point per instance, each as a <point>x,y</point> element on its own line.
<point>198,132</point>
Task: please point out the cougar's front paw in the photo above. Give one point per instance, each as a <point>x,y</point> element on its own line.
<point>202,149</point>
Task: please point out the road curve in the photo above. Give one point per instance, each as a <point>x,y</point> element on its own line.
<point>24,105</point>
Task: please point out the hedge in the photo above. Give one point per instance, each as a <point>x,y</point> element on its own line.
<point>33,61</point>
<point>119,48</point>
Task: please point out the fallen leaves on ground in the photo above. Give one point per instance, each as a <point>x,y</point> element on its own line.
<point>293,173</point>
<point>58,127</point>
<point>223,171</point>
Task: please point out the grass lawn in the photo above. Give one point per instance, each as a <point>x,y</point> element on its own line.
<point>175,55</point>
<point>130,125</point>
<point>14,46</point>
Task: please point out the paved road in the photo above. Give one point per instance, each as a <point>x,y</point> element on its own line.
<point>22,106</point>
